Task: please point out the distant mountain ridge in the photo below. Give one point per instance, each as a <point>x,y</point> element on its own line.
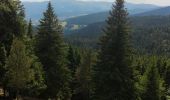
<point>94,22</point>
<point>72,8</point>
<point>102,16</point>
<point>161,11</point>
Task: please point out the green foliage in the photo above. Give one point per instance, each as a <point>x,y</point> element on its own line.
<point>113,73</point>
<point>152,83</point>
<point>30,29</point>
<point>42,66</point>
<point>150,79</point>
<point>83,86</point>
<point>150,34</point>
<point>84,77</point>
<point>74,59</point>
<point>166,76</point>
<point>19,71</point>
<point>51,50</point>
<point>2,62</point>
<point>12,21</point>
<point>37,84</point>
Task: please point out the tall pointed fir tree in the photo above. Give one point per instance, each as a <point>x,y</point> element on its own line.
<point>51,50</point>
<point>37,85</point>
<point>30,29</point>
<point>113,72</point>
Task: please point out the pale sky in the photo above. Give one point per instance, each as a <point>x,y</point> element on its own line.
<point>156,2</point>
<point>34,0</point>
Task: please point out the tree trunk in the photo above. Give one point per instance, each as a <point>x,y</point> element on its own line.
<point>17,95</point>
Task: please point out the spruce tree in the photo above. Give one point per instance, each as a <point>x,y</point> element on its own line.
<point>152,83</point>
<point>12,21</point>
<point>30,30</point>
<point>74,59</point>
<point>18,20</point>
<point>51,50</point>
<point>113,76</point>
<point>12,13</point>
<point>19,71</point>
<point>83,78</point>
<point>167,80</point>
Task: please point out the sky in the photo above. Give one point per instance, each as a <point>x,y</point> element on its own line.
<point>156,2</point>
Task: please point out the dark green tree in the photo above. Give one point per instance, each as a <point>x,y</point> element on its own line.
<point>12,21</point>
<point>30,29</point>
<point>152,83</point>
<point>83,78</point>
<point>113,73</point>
<point>19,71</point>
<point>74,59</point>
<point>2,63</point>
<point>37,84</point>
<point>51,50</point>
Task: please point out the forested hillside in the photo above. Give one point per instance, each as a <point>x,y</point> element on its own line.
<point>149,34</point>
<point>124,57</point>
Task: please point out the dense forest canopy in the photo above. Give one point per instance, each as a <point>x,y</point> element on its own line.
<point>150,34</point>
<point>125,57</point>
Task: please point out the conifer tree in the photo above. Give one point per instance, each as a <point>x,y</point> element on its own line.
<point>2,63</point>
<point>30,30</point>
<point>74,60</point>
<point>12,21</point>
<point>37,85</point>
<point>18,20</point>
<point>83,78</point>
<point>113,72</point>
<point>167,80</point>
<point>152,83</point>
<point>51,50</point>
<point>19,71</point>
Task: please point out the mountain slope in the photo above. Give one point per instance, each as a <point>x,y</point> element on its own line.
<point>98,17</point>
<point>95,29</point>
<point>149,33</point>
<point>161,11</point>
<point>72,8</point>
<point>88,19</point>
